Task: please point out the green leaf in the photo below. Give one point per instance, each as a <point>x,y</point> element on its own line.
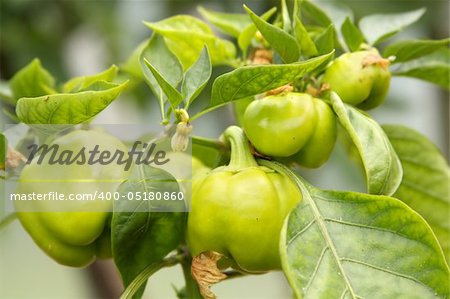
<point>32,81</point>
<point>352,35</point>
<point>426,180</point>
<point>144,237</point>
<point>434,68</point>
<point>162,59</point>
<point>381,164</point>
<point>68,108</point>
<point>246,36</point>
<point>296,12</point>
<point>3,146</point>
<point>282,42</point>
<point>211,153</point>
<point>287,25</point>
<point>196,77</point>
<point>138,284</point>
<point>132,65</point>
<point>229,23</point>
<point>379,27</point>
<point>315,13</point>
<point>186,36</point>
<point>337,13</point>
<point>82,83</point>
<point>353,245</point>
<point>307,46</point>
<point>325,41</point>
<point>414,48</point>
<point>172,94</point>
<point>255,79</point>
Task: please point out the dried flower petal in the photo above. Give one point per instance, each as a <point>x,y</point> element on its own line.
<point>205,271</point>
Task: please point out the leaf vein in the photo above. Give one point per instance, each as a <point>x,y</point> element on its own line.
<point>245,83</point>
<point>343,293</point>
<point>301,232</point>
<point>329,241</point>
<point>414,186</point>
<point>316,268</point>
<point>416,163</point>
<point>378,229</point>
<point>384,270</point>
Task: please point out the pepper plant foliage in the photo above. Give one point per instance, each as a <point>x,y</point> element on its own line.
<point>390,242</point>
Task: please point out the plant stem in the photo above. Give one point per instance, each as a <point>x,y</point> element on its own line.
<point>134,286</point>
<point>205,111</point>
<point>192,291</point>
<point>7,220</point>
<point>241,157</point>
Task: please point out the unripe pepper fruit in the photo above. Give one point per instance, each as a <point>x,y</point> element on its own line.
<point>321,143</point>
<point>238,210</point>
<point>71,238</point>
<point>360,78</point>
<point>280,125</point>
<point>292,127</point>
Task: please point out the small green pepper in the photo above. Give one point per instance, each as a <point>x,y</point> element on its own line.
<point>238,210</point>
<point>280,125</point>
<point>320,145</point>
<point>360,78</point>
<point>292,127</point>
<point>71,238</point>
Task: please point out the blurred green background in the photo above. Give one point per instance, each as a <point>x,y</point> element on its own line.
<point>83,37</point>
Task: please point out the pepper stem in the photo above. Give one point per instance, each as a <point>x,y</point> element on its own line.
<point>241,157</point>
